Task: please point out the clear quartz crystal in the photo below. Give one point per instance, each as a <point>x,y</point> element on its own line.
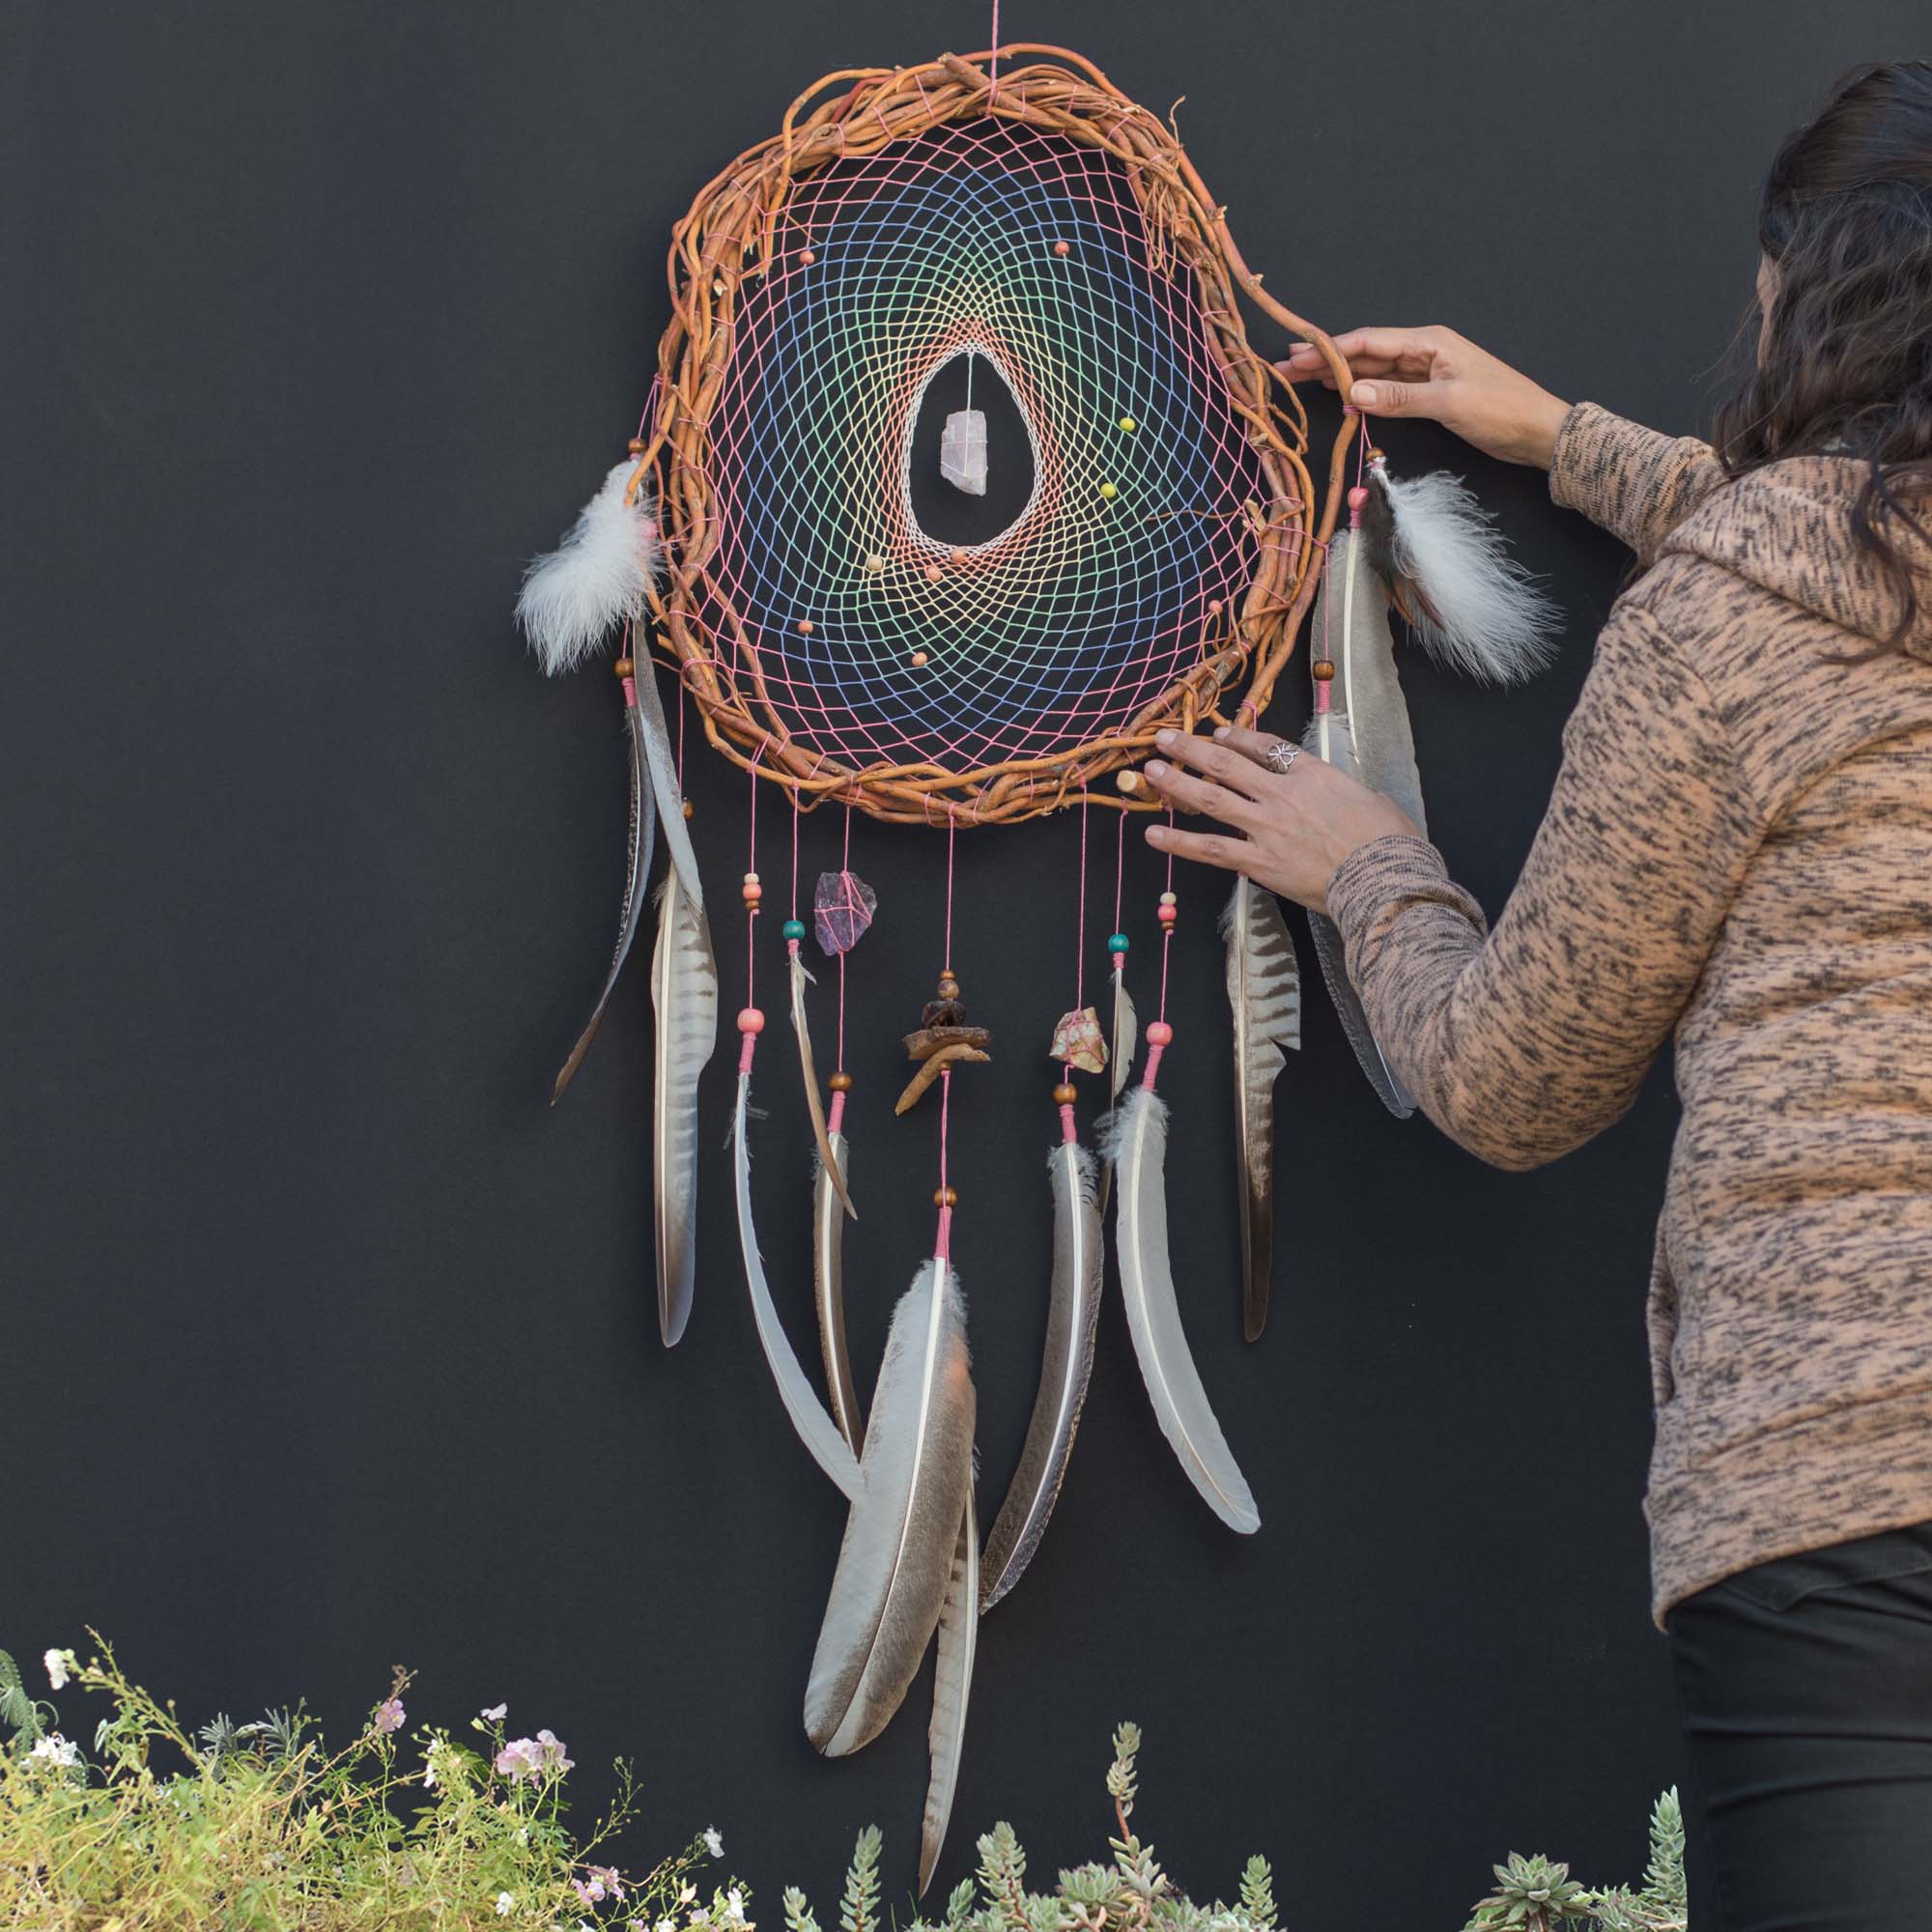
<point>962,451</point>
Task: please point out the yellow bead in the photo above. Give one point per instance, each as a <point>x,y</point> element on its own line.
<point>1129,424</point>
<point>1108,491</point>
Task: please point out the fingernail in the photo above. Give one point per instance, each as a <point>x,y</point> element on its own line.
<point>1221,730</point>
<point>1156,769</point>
<point>1364,393</point>
<point>1163,737</point>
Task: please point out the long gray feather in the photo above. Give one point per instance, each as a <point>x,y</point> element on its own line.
<point>1066,1366</point>
<point>801,1027</point>
<point>684,997</point>
<point>1264,1000</point>
<point>952,1687</point>
<point>897,1559</point>
<point>827,1282</point>
<point>1120,1058</point>
<point>640,843</point>
<point>662,762</point>
<point>1136,1144</point>
<point>1367,734</point>
<point>816,1429</point>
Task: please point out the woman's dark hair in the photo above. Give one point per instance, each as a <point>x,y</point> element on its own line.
<point>1845,364</point>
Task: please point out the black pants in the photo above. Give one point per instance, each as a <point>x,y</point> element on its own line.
<point>1805,1689</point>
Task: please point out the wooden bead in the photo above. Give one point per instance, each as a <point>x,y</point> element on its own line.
<point>841,1082</point>
<point>624,667</point>
<point>1064,1096</point>
<point>1324,670</point>
<point>688,808</point>
<point>637,446</point>
<point>944,1197</point>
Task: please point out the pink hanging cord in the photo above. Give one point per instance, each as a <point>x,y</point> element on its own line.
<point>942,1240</point>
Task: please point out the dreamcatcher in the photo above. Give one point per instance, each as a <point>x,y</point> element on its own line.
<point>1050,235</point>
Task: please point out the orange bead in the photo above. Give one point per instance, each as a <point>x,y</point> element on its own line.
<point>918,661</point>
<point>1062,247</point>
<point>841,1082</point>
<point>944,1197</point>
<point>1324,670</point>
<point>934,573</point>
<point>805,258</point>
<point>624,667</point>
<point>805,627</point>
<point>1064,1096</point>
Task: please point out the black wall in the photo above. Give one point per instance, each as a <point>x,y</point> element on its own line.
<point>327,1346</point>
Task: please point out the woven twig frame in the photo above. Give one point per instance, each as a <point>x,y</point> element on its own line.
<point>727,238</point>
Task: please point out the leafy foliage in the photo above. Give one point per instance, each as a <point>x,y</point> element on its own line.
<point>259,1825</point>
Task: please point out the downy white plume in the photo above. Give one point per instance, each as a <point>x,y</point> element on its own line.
<point>1264,1002</point>
<point>952,1687</point>
<point>684,997</point>
<point>895,1563</point>
<point>1066,1366</point>
<point>1476,608</point>
<point>1136,1143</point>
<point>595,577</point>
<point>816,1429</point>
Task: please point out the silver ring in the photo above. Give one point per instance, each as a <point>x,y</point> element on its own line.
<point>1281,754</point>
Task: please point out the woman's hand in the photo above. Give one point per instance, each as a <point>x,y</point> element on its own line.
<point>1286,830</point>
<point>1436,374</point>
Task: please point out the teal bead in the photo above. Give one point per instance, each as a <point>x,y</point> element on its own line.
<point>794,928</point>
<point>1116,941</point>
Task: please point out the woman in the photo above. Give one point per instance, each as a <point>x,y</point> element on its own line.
<point>1738,851</point>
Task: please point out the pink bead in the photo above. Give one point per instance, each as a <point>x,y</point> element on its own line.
<point>752,1020</point>
<point>1159,1034</point>
<point>1213,607</point>
<point>1167,915</point>
<point>1359,500</point>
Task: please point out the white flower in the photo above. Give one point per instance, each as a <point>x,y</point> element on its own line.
<point>59,1662</point>
<point>735,1907</point>
<point>494,1714</point>
<point>505,1905</point>
<point>57,1750</point>
<point>713,1843</point>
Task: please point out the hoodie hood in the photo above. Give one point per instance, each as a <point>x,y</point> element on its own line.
<point>1788,528</point>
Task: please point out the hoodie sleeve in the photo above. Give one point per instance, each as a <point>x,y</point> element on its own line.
<point>1522,1043</point>
<point>1635,482</point>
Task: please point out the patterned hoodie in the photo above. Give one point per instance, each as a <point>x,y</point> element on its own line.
<point>1737,850</point>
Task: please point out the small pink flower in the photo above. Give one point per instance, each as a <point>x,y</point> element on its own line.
<point>389,1715</point>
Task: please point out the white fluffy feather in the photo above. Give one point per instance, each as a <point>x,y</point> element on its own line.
<point>1486,618</point>
<point>596,577</point>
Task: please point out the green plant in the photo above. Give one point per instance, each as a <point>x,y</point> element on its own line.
<point>260,1826</point>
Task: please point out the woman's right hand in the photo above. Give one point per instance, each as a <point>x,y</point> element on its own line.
<point>1438,375</point>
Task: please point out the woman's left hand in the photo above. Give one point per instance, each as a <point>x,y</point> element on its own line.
<point>1286,830</point>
